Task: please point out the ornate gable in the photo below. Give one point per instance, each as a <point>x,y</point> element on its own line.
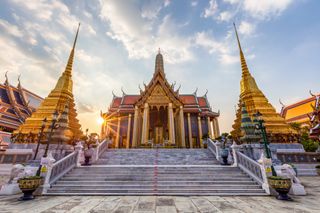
<point>158,92</point>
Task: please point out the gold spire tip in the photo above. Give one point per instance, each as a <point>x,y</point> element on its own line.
<point>235,29</point>
<point>75,39</point>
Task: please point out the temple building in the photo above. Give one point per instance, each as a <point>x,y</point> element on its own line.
<point>300,111</point>
<point>16,104</point>
<point>159,116</point>
<point>59,100</point>
<point>277,129</point>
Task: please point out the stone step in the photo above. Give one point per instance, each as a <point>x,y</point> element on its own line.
<point>159,182</point>
<point>157,194</point>
<point>152,186</point>
<point>139,191</point>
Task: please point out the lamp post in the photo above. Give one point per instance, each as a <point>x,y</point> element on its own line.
<point>260,126</point>
<point>53,126</point>
<point>44,121</point>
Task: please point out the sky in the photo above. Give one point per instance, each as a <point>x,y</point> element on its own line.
<point>119,39</point>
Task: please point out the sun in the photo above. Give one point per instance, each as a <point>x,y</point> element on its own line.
<point>100,120</point>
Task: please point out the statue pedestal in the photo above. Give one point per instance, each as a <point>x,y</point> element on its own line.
<point>10,189</point>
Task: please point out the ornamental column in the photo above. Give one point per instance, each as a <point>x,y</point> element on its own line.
<point>118,133</point>
<point>144,134</point>
<point>171,125</point>
<point>190,131</point>
<point>200,131</point>
<point>182,130</point>
<point>128,131</point>
<point>216,128</point>
<point>135,127</point>
<point>210,128</point>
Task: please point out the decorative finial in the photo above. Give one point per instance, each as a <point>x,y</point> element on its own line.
<point>195,92</point>
<point>159,51</point>
<point>75,39</point>
<point>114,95</point>
<point>205,94</point>
<point>235,29</point>
<point>123,93</point>
<point>311,93</point>
<point>178,88</point>
<point>281,103</point>
<point>6,76</point>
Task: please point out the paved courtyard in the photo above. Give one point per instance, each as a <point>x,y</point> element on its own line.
<point>167,204</point>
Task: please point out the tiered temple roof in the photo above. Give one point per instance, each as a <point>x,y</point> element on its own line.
<point>16,104</point>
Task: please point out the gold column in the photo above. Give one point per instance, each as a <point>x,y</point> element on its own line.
<point>182,130</point>
<point>128,131</point>
<point>172,139</point>
<point>144,134</point>
<point>212,130</point>
<point>209,128</point>
<point>190,131</point>
<point>217,126</point>
<point>118,133</point>
<point>135,127</point>
<point>200,131</point>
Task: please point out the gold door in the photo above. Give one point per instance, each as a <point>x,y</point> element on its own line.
<point>159,135</point>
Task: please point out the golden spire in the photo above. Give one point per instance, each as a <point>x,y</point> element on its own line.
<point>159,63</point>
<point>247,82</point>
<point>65,81</point>
<point>255,101</point>
<point>57,100</point>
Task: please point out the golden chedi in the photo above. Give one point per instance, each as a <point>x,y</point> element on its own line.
<point>277,129</point>
<point>57,100</point>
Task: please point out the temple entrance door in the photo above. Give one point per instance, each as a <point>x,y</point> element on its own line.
<point>159,135</point>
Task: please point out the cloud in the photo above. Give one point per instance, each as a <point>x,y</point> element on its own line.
<point>211,10</point>
<point>141,36</point>
<point>194,3</point>
<point>221,48</point>
<point>10,28</point>
<point>85,108</point>
<point>225,16</point>
<point>265,9</point>
<point>246,28</point>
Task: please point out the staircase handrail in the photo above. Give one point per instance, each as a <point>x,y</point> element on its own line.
<point>102,147</point>
<point>250,167</point>
<point>214,147</point>
<point>63,166</point>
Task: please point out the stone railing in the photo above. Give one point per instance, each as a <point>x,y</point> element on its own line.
<point>13,156</point>
<point>250,167</point>
<point>103,146</point>
<point>62,167</point>
<point>296,157</point>
<point>214,147</point>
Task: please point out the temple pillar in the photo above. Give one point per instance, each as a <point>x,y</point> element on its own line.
<point>172,139</point>
<point>135,127</point>
<point>182,131</point>
<point>118,133</point>
<point>145,131</point>
<point>190,131</point>
<point>200,131</point>
<point>212,130</point>
<point>128,131</point>
<point>209,128</point>
<point>216,128</point>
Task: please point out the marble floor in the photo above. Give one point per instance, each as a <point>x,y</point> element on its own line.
<point>167,204</point>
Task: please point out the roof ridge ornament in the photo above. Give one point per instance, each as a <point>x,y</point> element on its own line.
<point>311,93</point>
<point>195,92</point>
<point>114,95</point>
<point>6,76</point>
<point>205,94</point>
<point>281,103</point>
<point>123,93</point>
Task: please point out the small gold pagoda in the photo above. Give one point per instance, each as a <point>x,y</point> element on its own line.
<point>57,100</point>
<point>277,129</point>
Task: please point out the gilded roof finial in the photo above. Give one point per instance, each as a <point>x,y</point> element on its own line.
<point>159,50</point>
<point>19,83</point>
<point>159,63</point>
<point>6,76</point>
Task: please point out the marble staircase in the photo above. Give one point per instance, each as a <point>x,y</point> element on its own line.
<point>156,172</point>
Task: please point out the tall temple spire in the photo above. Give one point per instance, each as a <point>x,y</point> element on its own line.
<point>159,62</point>
<point>65,81</point>
<point>254,100</point>
<point>57,100</point>
<point>247,82</point>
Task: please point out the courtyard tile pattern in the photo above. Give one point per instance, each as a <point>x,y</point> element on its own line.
<point>167,204</point>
